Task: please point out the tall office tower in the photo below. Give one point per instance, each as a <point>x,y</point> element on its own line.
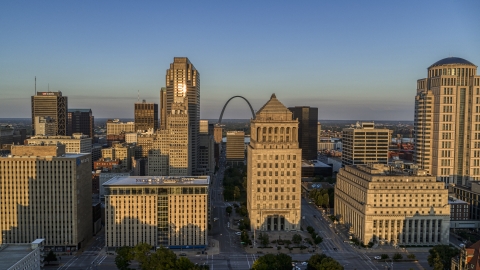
<point>53,196</point>
<point>51,104</point>
<point>170,152</point>
<point>77,143</point>
<point>392,205</point>
<point>447,121</point>
<point>80,121</point>
<point>235,147</point>
<point>183,80</point>
<point>168,211</point>
<point>45,126</point>
<point>365,144</point>
<point>274,169</point>
<point>146,116</point>
<point>307,130</point>
<point>163,108</point>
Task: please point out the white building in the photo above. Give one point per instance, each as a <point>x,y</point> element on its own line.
<point>77,143</point>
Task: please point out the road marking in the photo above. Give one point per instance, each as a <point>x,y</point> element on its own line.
<point>248,261</point>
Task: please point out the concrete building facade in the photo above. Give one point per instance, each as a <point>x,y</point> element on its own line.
<point>77,143</point>
<point>45,126</point>
<point>52,196</point>
<point>307,130</point>
<point>274,169</point>
<point>392,205</point>
<point>146,116</point>
<point>447,121</point>
<point>115,127</point>
<point>235,147</point>
<point>80,121</point>
<point>183,81</point>
<point>365,144</point>
<point>123,152</point>
<point>51,104</point>
<point>158,210</point>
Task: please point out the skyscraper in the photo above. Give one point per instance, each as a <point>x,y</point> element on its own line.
<point>183,80</point>
<point>163,108</point>
<point>146,116</point>
<point>447,121</point>
<point>307,130</point>
<point>364,144</point>
<point>235,148</point>
<point>51,104</point>
<point>80,121</point>
<point>274,169</point>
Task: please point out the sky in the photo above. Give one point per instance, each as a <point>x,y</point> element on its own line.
<point>354,60</point>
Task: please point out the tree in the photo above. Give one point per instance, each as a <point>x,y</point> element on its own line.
<point>323,262</point>
<point>273,262</point>
<point>264,239</point>
<point>229,210</point>
<point>184,264</point>
<point>50,257</point>
<point>441,256</point>
<point>310,229</point>
<point>296,238</point>
<point>411,256</point>
<point>397,256</point>
<point>236,193</point>
<point>384,256</point>
<point>124,258</point>
<point>318,240</point>
<point>325,200</point>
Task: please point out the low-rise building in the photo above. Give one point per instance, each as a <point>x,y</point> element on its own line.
<point>469,258</point>
<point>394,205</point>
<point>19,256</point>
<point>169,211</point>
<point>77,143</point>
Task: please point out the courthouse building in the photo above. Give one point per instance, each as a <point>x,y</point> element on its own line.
<point>394,205</point>
<point>274,169</point>
<point>158,210</point>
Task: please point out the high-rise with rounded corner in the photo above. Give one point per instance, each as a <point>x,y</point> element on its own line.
<point>447,121</point>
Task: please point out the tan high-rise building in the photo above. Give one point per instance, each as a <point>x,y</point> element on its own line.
<point>51,104</point>
<point>146,116</point>
<point>392,205</point>
<point>122,152</point>
<point>52,196</point>
<point>447,121</point>
<point>274,169</point>
<point>365,144</point>
<point>161,211</point>
<point>163,108</point>
<point>235,147</point>
<point>218,134</point>
<point>183,81</point>
<point>170,150</point>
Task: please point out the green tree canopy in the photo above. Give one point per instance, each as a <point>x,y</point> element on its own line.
<point>273,262</point>
<point>441,256</point>
<point>296,238</point>
<point>323,262</point>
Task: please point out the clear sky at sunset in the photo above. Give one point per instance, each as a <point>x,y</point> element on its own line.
<point>354,60</point>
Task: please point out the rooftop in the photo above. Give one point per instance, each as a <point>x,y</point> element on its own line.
<point>452,61</point>
<point>13,253</point>
<point>157,180</point>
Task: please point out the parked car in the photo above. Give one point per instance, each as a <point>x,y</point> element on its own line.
<point>238,233</point>
<point>377,257</point>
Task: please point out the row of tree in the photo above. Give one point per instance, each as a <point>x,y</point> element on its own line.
<point>161,259</point>
<point>235,184</point>
<point>284,262</point>
<point>322,197</point>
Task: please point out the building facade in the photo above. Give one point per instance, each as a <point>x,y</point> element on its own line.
<point>51,104</point>
<point>80,121</point>
<point>123,152</point>
<point>183,81</point>
<point>307,130</point>
<point>365,144</point>
<point>62,214</point>
<point>146,116</point>
<point>115,127</point>
<point>274,169</point>
<point>235,147</point>
<point>392,205</point>
<point>45,126</point>
<point>447,121</point>
<point>77,143</point>
<point>161,211</point>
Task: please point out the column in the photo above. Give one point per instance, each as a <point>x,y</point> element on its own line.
<point>424,231</point>
<point>435,231</point>
<point>418,230</point>
<point>395,234</point>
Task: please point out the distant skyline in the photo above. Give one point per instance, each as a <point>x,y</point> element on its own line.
<point>352,60</point>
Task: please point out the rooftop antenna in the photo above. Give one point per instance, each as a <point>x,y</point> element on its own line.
<point>138,95</point>
<point>49,87</point>
<point>35,85</point>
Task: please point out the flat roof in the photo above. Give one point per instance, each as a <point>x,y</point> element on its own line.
<point>157,180</point>
<point>13,253</point>
<point>315,163</point>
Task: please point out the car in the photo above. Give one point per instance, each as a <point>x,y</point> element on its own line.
<point>377,257</point>
<point>215,219</point>
<point>183,254</point>
<point>238,233</point>
<point>304,263</point>
<point>330,225</point>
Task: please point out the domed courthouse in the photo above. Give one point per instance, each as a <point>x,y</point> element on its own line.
<point>447,121</point>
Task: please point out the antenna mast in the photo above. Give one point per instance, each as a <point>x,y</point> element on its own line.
<point>138,95</point>
<point>35,85</point>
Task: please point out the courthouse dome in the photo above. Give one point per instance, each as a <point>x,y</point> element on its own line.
<point>452,61</point>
